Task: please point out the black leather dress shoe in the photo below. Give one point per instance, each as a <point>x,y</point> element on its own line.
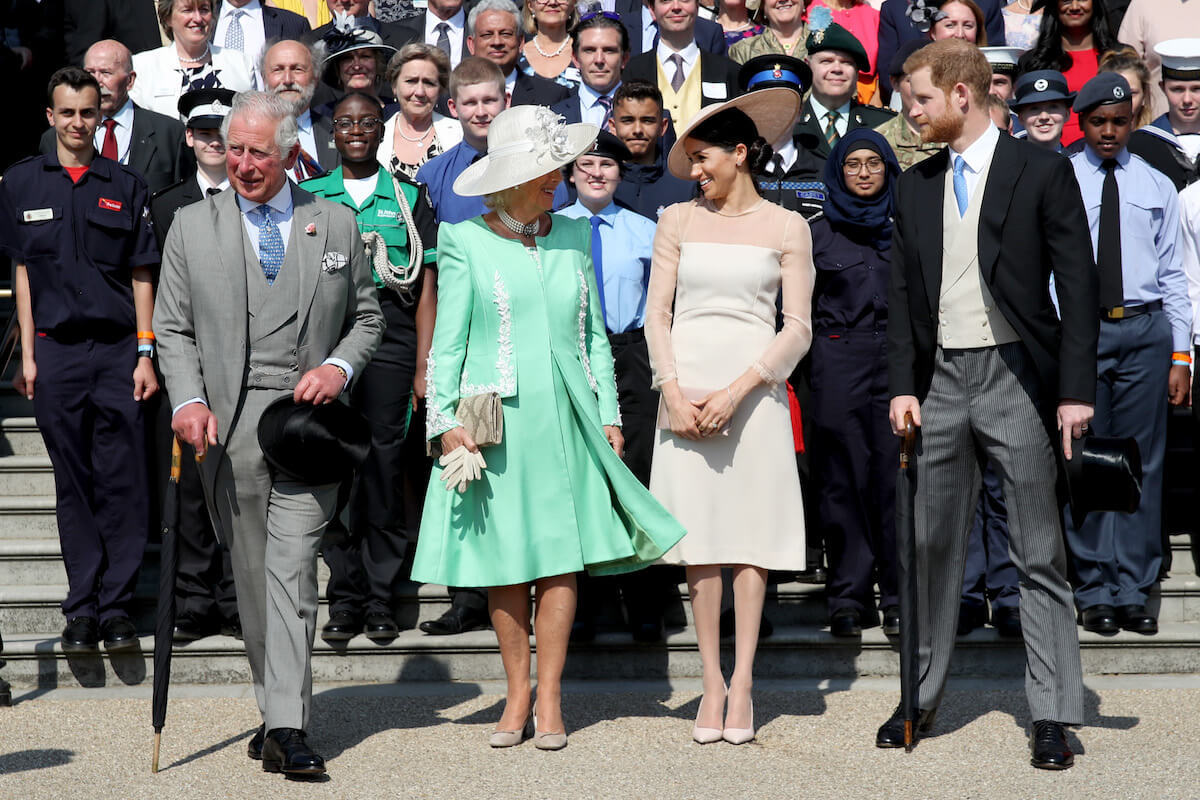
<point>845,624</point>
<point>456,620</point>
<point>82,635</point>
<point>891,621</point>
<point>1099,619</point>
<point>342,626</point>
<point>189,627</point>
<point>814,576</point>
<point>1007,622</point>
<point>381,627</point>
<point>231,627</point>
<point>1049,744</point>
<point>119,633</point>
<point>284,750</point>
<point>255,746</point>
<point>970,617</point>
<point>891,733</point>
<point>1137,620</point>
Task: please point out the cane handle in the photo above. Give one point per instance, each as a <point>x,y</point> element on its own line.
<point>908,442</point>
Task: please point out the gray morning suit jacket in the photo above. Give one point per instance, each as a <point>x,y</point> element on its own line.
<point>205,323</point>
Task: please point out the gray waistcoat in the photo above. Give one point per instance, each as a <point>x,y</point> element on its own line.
<point>274,331</point>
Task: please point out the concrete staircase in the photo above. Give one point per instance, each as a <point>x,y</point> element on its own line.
<point>33,583</point>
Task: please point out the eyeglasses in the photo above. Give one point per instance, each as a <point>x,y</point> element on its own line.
<point>874,166</point>
<point>367,125</point>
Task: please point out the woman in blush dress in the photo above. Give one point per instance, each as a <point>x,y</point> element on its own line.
<point>724,462</point>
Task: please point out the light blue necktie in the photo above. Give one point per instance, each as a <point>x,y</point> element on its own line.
<point>960,185</point>
<point>597,264</point>
<point>235,37</point>
<point>270,245</point>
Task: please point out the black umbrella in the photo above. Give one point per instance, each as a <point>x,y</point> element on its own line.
<point>906,542</point>
<point>164,625</point>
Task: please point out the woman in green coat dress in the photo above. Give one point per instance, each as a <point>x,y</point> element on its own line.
<point>517,316</point>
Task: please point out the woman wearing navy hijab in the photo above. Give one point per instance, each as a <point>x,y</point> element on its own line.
<point>854,453</point>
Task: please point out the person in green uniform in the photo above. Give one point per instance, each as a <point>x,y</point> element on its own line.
<point>519,316</point>
<point>397,223</point>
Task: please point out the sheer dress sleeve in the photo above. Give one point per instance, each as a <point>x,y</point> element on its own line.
<point>793,339</point>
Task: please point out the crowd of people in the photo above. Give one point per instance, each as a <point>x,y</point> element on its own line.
<point>619,294</point>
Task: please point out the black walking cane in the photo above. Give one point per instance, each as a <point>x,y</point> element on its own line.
<point>906,533</point>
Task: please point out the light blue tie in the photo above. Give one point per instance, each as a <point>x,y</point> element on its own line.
<point>598,264</point>
<point>270,245</point>
<point>960,186</point>
<point>235,37</point>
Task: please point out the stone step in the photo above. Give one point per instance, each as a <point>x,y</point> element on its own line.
<point>798,651</point>
<point>27,517</point>
<point>27,475</point>
<point>19,436</point>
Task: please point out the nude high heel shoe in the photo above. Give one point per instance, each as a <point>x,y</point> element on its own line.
<point>512,738</point>
<point>740,735</point>
<point>707,735</point>
<point>547,740</point>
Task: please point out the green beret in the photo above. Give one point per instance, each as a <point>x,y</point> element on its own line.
<point>835,37</point>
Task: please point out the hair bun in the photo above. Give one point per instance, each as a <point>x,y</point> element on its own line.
<point>759,154</point>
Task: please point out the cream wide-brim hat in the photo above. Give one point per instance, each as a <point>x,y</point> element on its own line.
<point>773,112</point>
<point>524,142</point>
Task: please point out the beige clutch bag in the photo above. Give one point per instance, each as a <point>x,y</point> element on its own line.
<point>483,418</point>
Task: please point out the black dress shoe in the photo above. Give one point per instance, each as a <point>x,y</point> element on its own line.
<point>231,627</point>
<point>728,625</point>
<point>5,691</point>
<point>118,633</point>
<point>342,626</point>
<point>814,575</point>
<point>1007,622</point>
<point>1137,620</point>
<point>891,733</point>
<point>891,621</point>
<point>381,627</point>
<point>189,627</point>
<point>255,746</point>
<point>845,624</point>
<point>82,635</point>
<point>455,620</point>
<point>970,617</point>
<point>284,750</point>
<point>1049,744</point>
<point>1099,619</point>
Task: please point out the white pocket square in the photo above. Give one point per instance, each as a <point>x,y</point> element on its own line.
<point>332,262</point>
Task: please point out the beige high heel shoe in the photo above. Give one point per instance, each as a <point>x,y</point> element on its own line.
<point>547,740</point>
<point>707,735</point>
<point>740,735</point>
<point>512,738</point>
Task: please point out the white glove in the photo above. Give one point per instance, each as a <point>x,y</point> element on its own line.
<point>460,467</point>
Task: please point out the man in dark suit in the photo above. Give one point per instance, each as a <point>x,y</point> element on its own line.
<point>288,69</point>
<point>494,32</point>
<point>672,65</point>
<point>600,50</point>
<point>895,28</point>
<point>392,33</point>
<point>638,19</point>
<point>133,23</point>
<point>832,109</point>
<point>443,24</point>
<point>978,357</point>
<point>149,143</point>
<point>247,25</point>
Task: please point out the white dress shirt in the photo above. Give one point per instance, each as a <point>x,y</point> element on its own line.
<point>456,23</point>
<point>254,35</point>
<point>308,142</point>
<point>690,54</point>
<point>649,29</point>
<point>977,157</point>
<point>123,130</point>
<point>821,113</point>
<point>589,104</point>
<point>206,184</point>
<point>510,83</point>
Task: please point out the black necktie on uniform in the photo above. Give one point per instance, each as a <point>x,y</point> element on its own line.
<point>210,191</point>
<point>1108,247</point>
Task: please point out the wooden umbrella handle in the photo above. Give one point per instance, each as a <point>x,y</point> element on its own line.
<point>908,442</point>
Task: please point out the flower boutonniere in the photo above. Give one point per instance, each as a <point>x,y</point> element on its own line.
<point>311,229</point>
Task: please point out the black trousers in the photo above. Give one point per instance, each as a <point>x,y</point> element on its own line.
<point>366,563</point>
<point>95,436</point>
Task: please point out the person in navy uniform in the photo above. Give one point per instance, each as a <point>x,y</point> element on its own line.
<point>854,453</point>
<point>78,227</point>
<point>205,599</point>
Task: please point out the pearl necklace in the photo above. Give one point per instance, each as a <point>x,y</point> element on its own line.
<point>406,137</point>
<point>198,59</point>
<point>519,228</point>
<point>556,53</point>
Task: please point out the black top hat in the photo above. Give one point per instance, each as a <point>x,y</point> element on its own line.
<point>316,445</point>
<point>771,70</point>
<point>1104,474</point>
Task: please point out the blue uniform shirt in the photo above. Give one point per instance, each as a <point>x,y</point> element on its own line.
<point>1151,250</point>
<point>439,174</point>
<point>627,239</point>
<point>851,288</point>
<point>78,241</point>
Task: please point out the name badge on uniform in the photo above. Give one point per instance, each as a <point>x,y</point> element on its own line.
<point>717,91</point>
<point>38,215</point>
<point>110,205</point>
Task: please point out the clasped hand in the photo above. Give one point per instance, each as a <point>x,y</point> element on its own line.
<point>699,419</point>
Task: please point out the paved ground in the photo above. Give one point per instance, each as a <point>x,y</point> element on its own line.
<point>626,740</point>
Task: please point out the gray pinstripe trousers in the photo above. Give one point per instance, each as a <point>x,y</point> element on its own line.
<point>982,401</point>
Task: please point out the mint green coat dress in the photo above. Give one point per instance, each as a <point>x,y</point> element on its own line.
<point>554,497</point>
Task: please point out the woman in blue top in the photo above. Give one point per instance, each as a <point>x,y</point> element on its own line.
<point>854,453</point>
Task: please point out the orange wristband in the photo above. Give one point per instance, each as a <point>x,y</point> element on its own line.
<point>1181,357</point>
<point>146,335</point>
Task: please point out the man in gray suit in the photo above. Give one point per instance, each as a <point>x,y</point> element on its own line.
<point>265,292</point>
